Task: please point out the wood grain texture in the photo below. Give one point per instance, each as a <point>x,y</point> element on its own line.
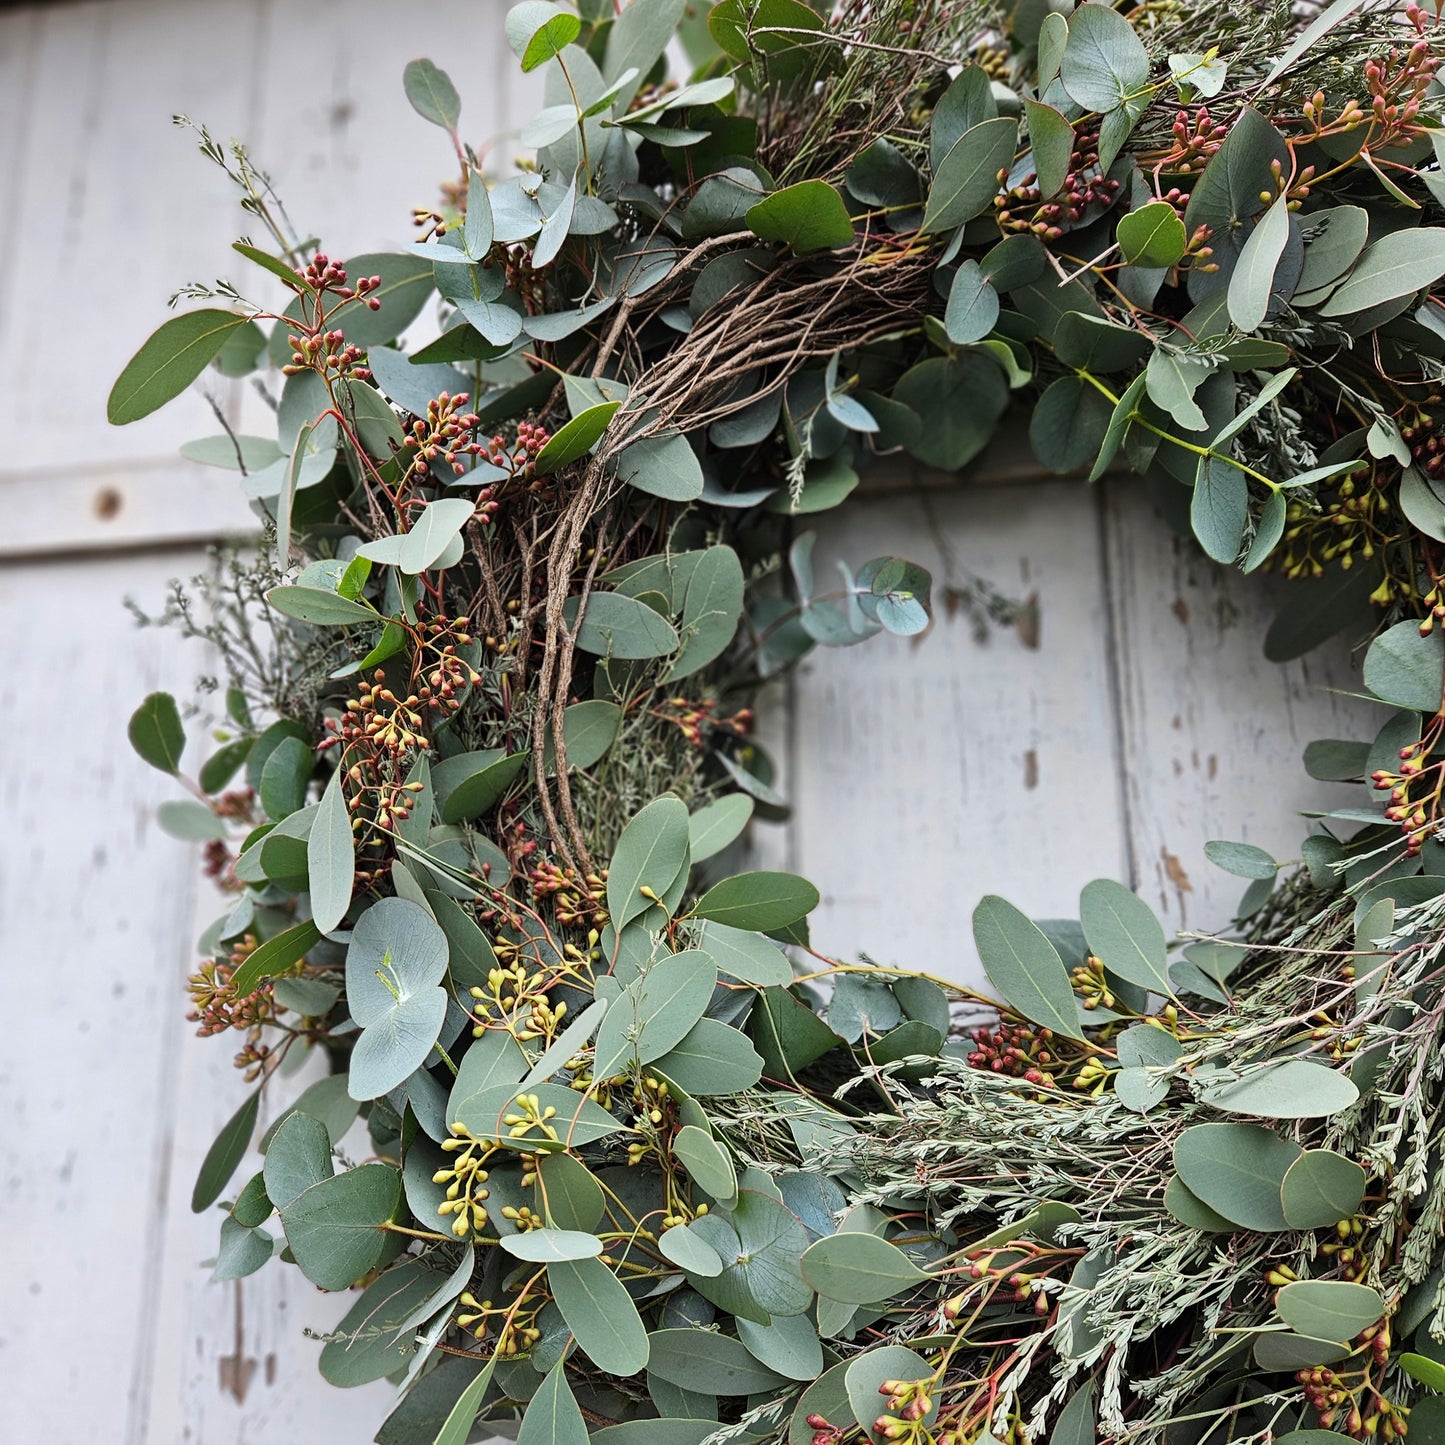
<point>928,772</point>
<point>1212,731</point>
<point>95,928</point>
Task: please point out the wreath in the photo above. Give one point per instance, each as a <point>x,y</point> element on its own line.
<point>635,1158</point>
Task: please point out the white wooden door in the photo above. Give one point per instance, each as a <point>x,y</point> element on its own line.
<point>1094,743</point>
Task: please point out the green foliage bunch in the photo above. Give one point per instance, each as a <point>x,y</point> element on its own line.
<point>642,1163</point>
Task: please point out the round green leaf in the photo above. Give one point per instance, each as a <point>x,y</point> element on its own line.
<point>622,627</point>
<point>1237,1170</point>
<point>1290,1089</point>
<point>859,1269</point>
<point>1068,423</point>
<point>1329,1309</point>
<point>868,1371</point>
<point>689,1252</point>
<point>1405,669</point>
<point>432,94</point>
<point>1152,236</point>
<point>1104,62</point>
<point>808,216</point>
<point>537,30</point>
<point>335,1228</point>
<point>156,733</point>
<point>1321,1188</point>
<point>972,305</point>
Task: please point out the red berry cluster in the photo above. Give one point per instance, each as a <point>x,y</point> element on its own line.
<point>1395,95</point>
<point>443,434</point>
<point>697,720</point>
<point>217,1005</point>
<point>1024,208</point>
<point>1017,1049</point>
<point>577,901</point>
<point>520,456</point>
<point>326,352</point>
<point>1426,440</point>
<point>824,1433</point>
<point>1196,138</point>
<point>237,804</point>
<point>217,864</point>
<point>1415,789</point>
<point>323,276</point>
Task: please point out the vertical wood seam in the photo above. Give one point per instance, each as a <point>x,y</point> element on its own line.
<point>157,1233</point>
<point>1116,652</point>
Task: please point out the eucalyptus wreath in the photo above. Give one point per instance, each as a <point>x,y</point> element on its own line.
<point>641,1161</point>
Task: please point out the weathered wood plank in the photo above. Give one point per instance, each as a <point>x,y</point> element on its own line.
<point>232,1361</point>
<point>927,773</point>
<point>119,210</point>
<point>95,925</point>
<point>105,508</point>
<point>1212,732</point>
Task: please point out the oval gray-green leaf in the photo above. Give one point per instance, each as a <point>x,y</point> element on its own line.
<point>600,1313</point>
<point>1291,1089</point>
<point>331,857</point>
<point>859,1268</point>
<point>1321,1188</point>
<point>623,627</point>
<point>1024,966</point>
<point>1124,934</point>
<point>649,854</point>
<point>711,610</point>
<point>1328,1309</point>
<point>156,733</point>
<point>1238,1171</point>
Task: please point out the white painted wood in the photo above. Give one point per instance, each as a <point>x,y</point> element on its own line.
<point>929,772</point>
<point>231,1361</point>
<point>105,507</point>
<point>95,931</point>
<point>116,210</point>
<point>1212,731</point>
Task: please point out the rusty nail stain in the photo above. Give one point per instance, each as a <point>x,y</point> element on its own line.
<point>1027,624</point>
<point>1031,769</point>
<point>1181,610</point>
<point>107,504</point>
<point>1177,876</point>
<point>1213,766</point>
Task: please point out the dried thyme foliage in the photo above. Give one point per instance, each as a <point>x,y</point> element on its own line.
<point>537,500</point>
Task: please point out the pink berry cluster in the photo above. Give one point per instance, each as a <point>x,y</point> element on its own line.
<point>443,434</point>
